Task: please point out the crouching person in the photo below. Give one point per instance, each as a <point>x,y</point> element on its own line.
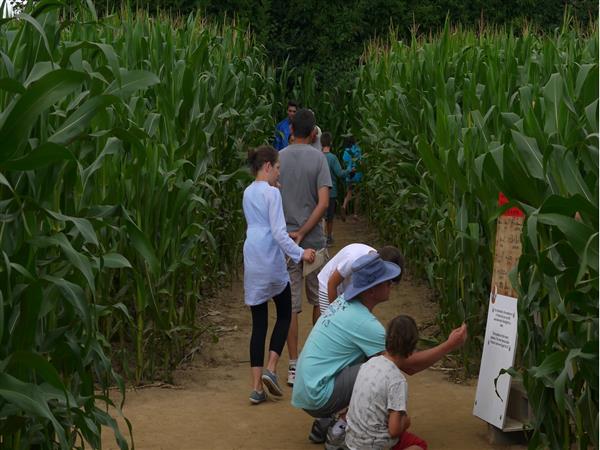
<point>377,418</point>
<point>342,339</point>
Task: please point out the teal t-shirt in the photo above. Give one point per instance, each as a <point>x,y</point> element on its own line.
<point>346,334</point>
<point>336,171</point>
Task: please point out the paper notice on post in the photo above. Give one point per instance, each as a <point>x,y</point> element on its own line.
<point>491,396</point>
<point>320,259</point>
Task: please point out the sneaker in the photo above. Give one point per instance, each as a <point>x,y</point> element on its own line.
<point>271,382</point>
<point>291,375</point>
<point>335,442</point>
<point>258,397</point>
<point>318,431</point>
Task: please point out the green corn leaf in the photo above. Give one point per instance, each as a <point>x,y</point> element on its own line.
<point>530,154</point>
<point>42,94</point>
<point>77,122</point>
<point>130,82</point>
<point>11,85</point>
<point>591,114</point>
<point>28,397</point>
<point>551,364</point>
<point>582,76</point>
<point>114,261</point>
<point>577,233</point>
<point>83,225</point>
<point>78,260</point>
<point>42,156</point>
<point>37,27</point>
<point>25,360</point>
<point>553,93</point>
<point>142,244</point>
<point>75,295</point>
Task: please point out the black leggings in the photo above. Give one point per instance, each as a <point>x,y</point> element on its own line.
<point>260,323</point>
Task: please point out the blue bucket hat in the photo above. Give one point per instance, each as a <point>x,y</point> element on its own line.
<point>368,271</point>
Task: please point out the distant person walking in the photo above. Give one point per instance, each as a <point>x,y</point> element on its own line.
<point>336,172</point>
<point>305,184</point>
<point>265,274</point>
<point>283,128</point>
<point>352,158</point>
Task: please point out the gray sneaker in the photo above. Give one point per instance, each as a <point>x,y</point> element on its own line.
<point>272,383</point>
<point>258,397</point>
<point>335,442</point>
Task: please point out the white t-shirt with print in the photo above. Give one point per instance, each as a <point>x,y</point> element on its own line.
<point>342,262</point>
<point>380,386</point>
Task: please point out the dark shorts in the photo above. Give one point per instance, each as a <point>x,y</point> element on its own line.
<point>330,209</point>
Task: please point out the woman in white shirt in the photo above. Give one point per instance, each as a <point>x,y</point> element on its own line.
<point>265,272</point>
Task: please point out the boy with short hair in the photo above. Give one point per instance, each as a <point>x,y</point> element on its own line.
<point>377,417</point>
<point>336,171</point>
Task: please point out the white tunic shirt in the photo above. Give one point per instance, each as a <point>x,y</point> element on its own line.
<point>265,271</point>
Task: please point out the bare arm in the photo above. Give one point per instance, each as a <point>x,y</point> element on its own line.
<point>422,360</point>
<point>334,281</point>
<point>398,423</point>
<point>315,216</point>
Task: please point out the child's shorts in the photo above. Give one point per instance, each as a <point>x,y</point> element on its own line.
<point>407,439</point>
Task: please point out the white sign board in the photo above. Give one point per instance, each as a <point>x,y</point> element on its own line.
<point>498,353</point>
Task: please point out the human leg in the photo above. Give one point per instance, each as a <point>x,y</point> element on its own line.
<point>260,321</point>
<point>295,272</point>
<point>283,305</point>
<point>347,199</point>
<point>311,283</point>
<point>356,193</point>
<point>338,401</point>
<point>329,220</point>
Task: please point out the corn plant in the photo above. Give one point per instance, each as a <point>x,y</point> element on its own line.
<point>122,144</point>
<point>449,123</point>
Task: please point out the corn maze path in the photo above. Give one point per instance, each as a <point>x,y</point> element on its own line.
<point>209,408</point>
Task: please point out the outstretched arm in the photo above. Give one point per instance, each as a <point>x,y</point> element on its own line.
<point>422,360</point>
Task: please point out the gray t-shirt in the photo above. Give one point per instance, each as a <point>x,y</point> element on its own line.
<point>379,387</point>
<point>304,170</point>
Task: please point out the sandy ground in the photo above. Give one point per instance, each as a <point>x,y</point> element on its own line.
<point>208,407</point>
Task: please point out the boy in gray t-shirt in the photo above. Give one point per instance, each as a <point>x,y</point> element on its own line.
<point>377,417</point>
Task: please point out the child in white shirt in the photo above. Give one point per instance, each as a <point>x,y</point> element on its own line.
<point>377,417</point>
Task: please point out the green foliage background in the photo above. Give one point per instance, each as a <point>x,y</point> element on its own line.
<point>331,36</point>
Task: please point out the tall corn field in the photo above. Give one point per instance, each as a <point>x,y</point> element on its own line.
<point>450,122</point>
<point>121,154</point>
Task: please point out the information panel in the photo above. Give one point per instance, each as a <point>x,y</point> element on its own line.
<point>498,353</point>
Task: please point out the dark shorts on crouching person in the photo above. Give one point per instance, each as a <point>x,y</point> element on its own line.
<point>330,209</point>
<point>342,392</point>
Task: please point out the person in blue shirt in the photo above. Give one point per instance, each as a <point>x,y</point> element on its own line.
<point>265,270</point>
<point>283,128</point>
<point>352,158</point>
<point>335,169</point>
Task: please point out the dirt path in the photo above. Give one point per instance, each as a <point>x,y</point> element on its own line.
<point>209,408</point>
